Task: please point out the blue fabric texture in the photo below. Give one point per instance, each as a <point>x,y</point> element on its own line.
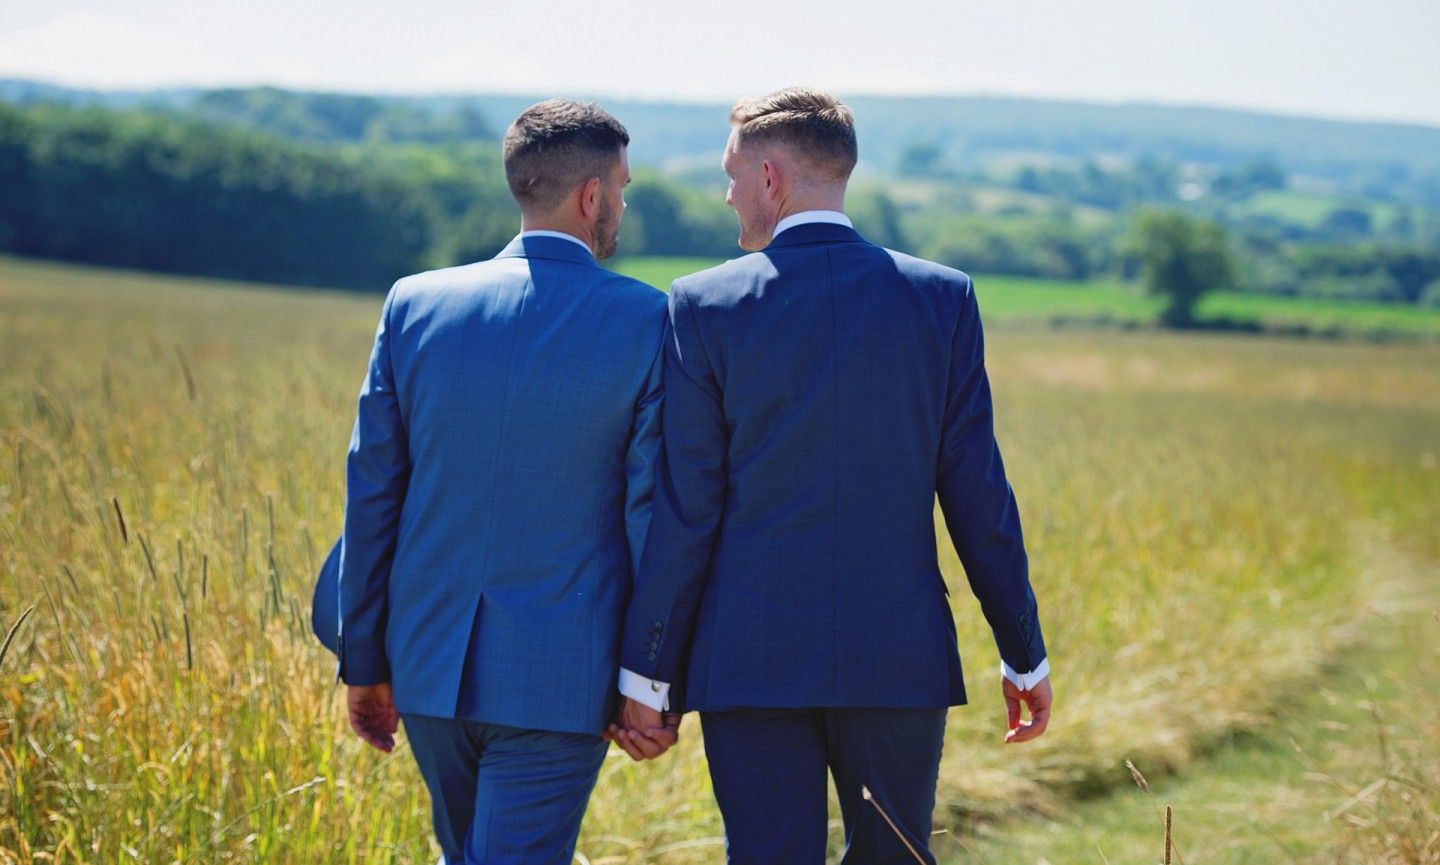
<point>819,395</point>
<point>498,488</point>
<point>325,603</point>
<point>768,768</point>
<point>501,795</point>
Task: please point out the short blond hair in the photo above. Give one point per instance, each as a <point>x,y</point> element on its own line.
<point>817,125</point>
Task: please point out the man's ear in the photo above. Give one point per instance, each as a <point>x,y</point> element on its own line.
<point>772,176</point>
<point>590,197</point>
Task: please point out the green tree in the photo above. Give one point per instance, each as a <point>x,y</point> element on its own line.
<point>1181,258</point>
<point>673,219</point>
<point>878,218</point>
<point>1431,295</point>
<point>922,160</point>
<point>1347,223</point>
<point>142,190</point>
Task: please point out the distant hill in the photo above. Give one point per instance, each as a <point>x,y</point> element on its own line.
<point>24,92</point>
<point>1385,160</point>
<point>970,129</point>
<point>348,190</point>
<point>329,118</point>
<point>339,117</point>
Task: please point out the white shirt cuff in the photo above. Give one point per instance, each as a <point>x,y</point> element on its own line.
<point>649,692</point>
<point>1023,681</point>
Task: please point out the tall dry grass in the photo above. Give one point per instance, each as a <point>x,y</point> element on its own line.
<point>171,474</point>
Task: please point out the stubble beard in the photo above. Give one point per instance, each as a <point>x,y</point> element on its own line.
<point>753,237</point>
<point>607,231</point>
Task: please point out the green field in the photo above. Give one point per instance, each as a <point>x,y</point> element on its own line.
<point>1235,540</point>
<point>660,271</point>
<point>1013,300</point>
<point>1310,209</point>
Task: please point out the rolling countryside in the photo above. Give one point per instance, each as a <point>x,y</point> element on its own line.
<point>1233,534</point>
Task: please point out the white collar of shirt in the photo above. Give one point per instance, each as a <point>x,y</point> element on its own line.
<point>559,235</point>
<point>833,217</point>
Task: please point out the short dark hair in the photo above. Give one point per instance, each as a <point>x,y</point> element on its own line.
<point>556,144</point>
<point>820,127</point>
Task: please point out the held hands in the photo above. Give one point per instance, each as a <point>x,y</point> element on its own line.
<point>642,732</point>
<point>372,714</point>
<point>1037,700</point>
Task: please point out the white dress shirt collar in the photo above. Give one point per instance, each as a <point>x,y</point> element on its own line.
<point>833,217</point>
<point>559,235</point>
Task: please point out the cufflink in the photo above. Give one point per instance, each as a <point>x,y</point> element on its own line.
<point>655,686</point>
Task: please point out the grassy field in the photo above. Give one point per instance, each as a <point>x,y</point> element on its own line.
<point>1223,530</point>
<point>1310,209</point>
<point>1011,300</point>
<point>1346,772</point>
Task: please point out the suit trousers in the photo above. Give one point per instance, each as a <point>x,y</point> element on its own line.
<point>502,795</point>
<point>768,768</point>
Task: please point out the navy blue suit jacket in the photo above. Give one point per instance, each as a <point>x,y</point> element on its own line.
<point>499,486</point>
<point>819,394</point>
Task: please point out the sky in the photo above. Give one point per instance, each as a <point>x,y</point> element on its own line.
<point>1374,60</point>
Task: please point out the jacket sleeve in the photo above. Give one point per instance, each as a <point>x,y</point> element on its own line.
<point>377,476</point>
<point>640,456</point>
<point>689,503</point>
<point>979,506</point>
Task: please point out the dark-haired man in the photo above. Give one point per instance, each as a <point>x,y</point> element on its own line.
<point>819,394</point>
<point>499,486</point>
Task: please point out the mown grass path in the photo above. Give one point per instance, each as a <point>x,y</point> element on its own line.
<point>1344,769</point>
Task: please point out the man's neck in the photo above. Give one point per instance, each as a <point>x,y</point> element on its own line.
<point>805,217</point>
<point>579,232</point>
<point>793,206</point>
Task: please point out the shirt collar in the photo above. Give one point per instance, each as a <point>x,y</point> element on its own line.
<point>558,235</point>
<point>832,217</point>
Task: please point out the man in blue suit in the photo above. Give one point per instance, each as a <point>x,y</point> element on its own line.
<point>819,394</point>
<point>499,485</point>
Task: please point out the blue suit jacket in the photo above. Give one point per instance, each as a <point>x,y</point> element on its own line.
<point>819,394</point>
<point>499,485</point>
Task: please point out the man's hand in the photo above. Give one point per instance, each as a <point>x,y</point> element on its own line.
<point>642,732</point>
<point>1037,700</point>
<point>372,714</point>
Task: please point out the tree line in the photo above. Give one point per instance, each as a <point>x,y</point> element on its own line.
<point>148,190</point>
<point>316,192</point>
